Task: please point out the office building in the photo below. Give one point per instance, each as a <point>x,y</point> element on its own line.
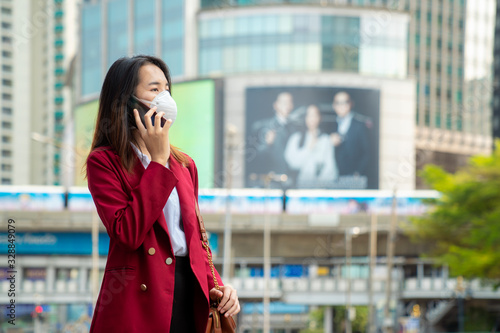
<point>39,40</point>
<point>451,58</point>
<point>444,46</point>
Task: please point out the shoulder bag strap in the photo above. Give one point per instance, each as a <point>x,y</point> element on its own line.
<point>204,242</point>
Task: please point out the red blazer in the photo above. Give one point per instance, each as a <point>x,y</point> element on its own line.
<point>138,286</point>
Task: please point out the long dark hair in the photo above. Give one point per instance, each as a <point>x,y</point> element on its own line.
<point>304,130</point>
<point>115,120</point>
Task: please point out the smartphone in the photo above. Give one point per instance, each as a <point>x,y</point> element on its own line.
<point>134,103</point>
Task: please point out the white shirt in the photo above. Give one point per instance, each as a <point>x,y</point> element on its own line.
<point>344,123</point>
<point>317,166</point>
<point>172,212</point>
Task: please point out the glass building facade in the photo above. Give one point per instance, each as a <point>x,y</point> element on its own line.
<point>209,4</point>
<point>173,32</point>
<point>118,13</point>
<point>449,52</point>
<point>115,28</point>
<point>443,45</point>
<point>284,42</point>
<point>91,49</point>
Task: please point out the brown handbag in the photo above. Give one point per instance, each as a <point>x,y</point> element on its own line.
<point>217,323</point>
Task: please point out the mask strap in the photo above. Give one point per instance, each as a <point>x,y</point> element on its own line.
<point>148,103</point>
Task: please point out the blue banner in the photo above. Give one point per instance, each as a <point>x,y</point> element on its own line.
<point>48,243</point>
<point>54,243</point>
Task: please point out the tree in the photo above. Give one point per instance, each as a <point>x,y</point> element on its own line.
<point>464,222</point>
<point>316,319</point>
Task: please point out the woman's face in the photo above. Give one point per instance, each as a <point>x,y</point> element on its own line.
<point>152,81</point>
<point>313,117</point>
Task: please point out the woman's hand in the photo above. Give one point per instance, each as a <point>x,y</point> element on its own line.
<point>155,137</point>
<point>229,304</point>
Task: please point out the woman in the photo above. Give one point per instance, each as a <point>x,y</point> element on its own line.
<point>157,276</point>
<point>310,152</point>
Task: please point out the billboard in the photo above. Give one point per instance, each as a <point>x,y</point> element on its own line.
<point>84,117</point>
<point>320,137</point>
<point>196,129</point>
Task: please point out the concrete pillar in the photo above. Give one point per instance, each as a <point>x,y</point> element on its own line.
<point>50,279</point>
<point>328,320</point>
<point>420,274</point>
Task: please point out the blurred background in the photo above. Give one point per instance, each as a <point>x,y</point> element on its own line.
<point>336,249</point>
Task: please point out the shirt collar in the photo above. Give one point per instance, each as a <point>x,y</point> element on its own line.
<point>282,120</point>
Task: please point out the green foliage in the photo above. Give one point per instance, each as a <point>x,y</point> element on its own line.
<point>359,323</point>
<point>464,223</point>
<point>477,319</point>
<point>315,324</point>
<point>316,320</point>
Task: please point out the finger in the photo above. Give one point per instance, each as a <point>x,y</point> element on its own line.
<point>234,310</point>
<point>224,298</point>
<point>234,304</point>
<point>147,118</point>
<point>215,294</point>
<point>158,121</point>
<point>138,121</point>
<point>228,299</point>
<point>231,303</point>
<point>168,123</point>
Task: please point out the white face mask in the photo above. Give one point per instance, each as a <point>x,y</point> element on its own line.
<point>164,103</point>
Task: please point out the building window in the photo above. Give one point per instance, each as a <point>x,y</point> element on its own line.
<point>6,153</point>
<point>144,26</point>
<point>448,120</point>
<point>118,17</point>
<point>6,124</point>
<point>6,110</point>
<point>7,68</point>
<point>6,54</point>
<point>7,83</point>
<point>7,97</point>
<point>6,181</point>
<point>58,100</point>
<point>428,41</point>
<point>6,10</point>
<point>6,39</point>
<point>6,25</point>
<point>438,120</point>
<point>6,139</point>
<point>6,167</point>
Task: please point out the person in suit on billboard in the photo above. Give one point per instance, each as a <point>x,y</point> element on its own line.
<point>310,152</point>
<point>351,141</point>
<point>271,136</point>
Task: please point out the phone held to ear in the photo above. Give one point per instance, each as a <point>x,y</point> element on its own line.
<point>163,120</point>
<point>143,109</point>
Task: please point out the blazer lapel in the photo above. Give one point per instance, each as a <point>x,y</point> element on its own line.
<point>134,179</point>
